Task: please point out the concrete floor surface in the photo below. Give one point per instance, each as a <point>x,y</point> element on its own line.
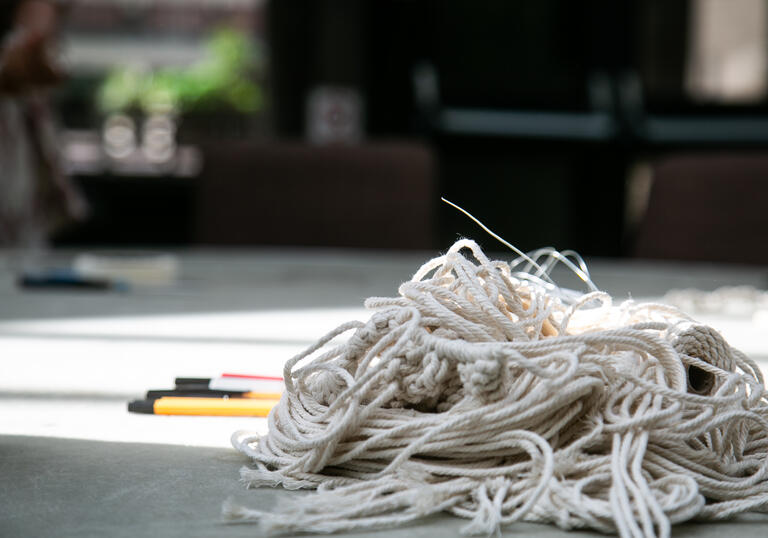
<point>74,463</point>
<point>66,488</point>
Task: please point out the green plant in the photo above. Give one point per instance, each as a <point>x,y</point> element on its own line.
<point>222,79</point>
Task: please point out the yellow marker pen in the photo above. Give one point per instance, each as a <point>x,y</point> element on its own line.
<point>229,407</point>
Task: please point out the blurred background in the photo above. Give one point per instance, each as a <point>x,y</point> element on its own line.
<point>618,129</point>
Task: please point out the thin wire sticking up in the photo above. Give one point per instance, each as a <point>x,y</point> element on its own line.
<point>542,272</point>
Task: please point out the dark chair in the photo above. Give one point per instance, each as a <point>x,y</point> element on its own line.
<point>711,207</point>
<point>289,193</point>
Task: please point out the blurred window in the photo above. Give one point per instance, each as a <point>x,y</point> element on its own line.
<point>728,52</point>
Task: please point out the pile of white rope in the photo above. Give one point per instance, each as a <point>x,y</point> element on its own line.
<point>492,394</point>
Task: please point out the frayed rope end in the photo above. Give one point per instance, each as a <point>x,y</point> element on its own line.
<point>231,512</point>
<point>255,478</point>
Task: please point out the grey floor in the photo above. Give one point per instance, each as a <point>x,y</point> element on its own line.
<point>59,477</point>
<point>71,488</point>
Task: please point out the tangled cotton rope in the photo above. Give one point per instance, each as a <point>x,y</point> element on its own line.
<point>497,397</point>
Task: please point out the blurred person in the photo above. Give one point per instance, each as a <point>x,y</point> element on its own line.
<point>35,196</point>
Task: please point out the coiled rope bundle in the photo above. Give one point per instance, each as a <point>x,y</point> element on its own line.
<point>498,397</point>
